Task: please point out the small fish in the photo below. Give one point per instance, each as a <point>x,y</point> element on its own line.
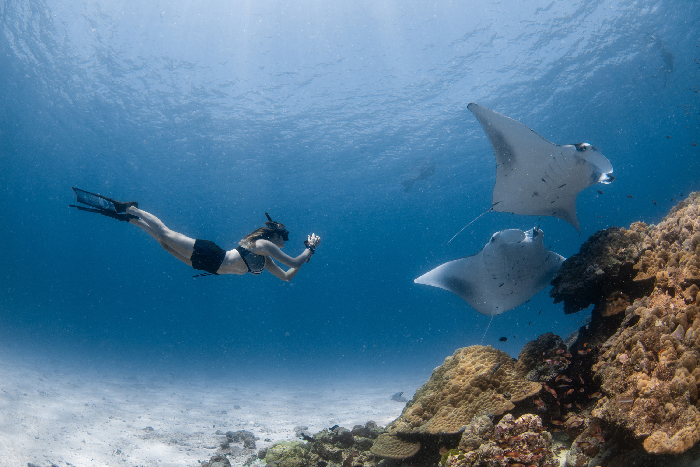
<point>600,192</point>
<point>626,400</point>
<point>550,390</point>
<point>559,351</point>
<point>567,406</point>
<point>549,361</point>
<point>693,144</point>
<point>581,378</point>
<point>562,377</point>
<point>529,323</point>
<point>556,422</point>
<point>630,196</point>
<point>595,395</point>
<point>655,204</point>
<point>570,391</point>
<point>574,423</point>
<point>582,352</point>
<point>503,339</point>
<point>538,402</point>
<point>580,407</point>
<point>582,390</point>
<point>567,355</point>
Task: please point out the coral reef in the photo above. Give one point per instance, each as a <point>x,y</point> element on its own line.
<point>542,359</point>
<point>392,447</point>
<point>624,391</point>
<point>647,366</point>
<point>588,440</point>
<point>288,454</point>
<point>671,256</point>
<point>335,446</point>
<point>600,270</point>
<point>474,381</point>
<point>511,442</point>
<point>649,373</point>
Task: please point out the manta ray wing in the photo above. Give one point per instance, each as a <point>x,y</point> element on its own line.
<point>536,177</point>
<point>507,272</point>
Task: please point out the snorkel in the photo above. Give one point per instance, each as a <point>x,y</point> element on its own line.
<point>277,227</point>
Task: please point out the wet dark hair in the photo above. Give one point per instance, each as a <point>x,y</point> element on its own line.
<point>265,233</point>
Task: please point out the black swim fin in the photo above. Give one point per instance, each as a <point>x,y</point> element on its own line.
<point>102,202</point>
<point>126,217</point>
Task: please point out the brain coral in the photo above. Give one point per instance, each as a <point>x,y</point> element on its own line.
<point>391,447</point>
<point>474,381</point>
<point>649,369</point>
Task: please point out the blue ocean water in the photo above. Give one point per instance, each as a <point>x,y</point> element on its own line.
<point>210,114</point>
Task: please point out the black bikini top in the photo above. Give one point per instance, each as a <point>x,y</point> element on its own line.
<point>255,263</point>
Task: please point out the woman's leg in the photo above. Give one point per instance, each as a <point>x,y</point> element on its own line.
<point>177,244</point>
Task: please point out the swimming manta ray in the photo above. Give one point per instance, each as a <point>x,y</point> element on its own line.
<point>511,268</point>
<point>535,177</point>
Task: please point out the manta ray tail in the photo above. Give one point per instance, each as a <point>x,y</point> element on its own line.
<point>475,219</point>
<point>487,330</point>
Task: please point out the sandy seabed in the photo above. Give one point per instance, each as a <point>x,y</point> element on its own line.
<point>53,414</point>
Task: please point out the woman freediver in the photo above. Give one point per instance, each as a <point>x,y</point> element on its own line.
<point>253,255</point>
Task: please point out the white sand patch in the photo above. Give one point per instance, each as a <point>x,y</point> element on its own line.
<point>50,414</point>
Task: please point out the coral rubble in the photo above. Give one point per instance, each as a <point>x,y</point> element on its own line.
<point>332,446</point>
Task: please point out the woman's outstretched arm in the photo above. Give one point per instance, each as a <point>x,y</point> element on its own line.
<point>275,252</point>
<point>279,273</point>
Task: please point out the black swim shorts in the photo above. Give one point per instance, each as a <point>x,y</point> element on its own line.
<point>207,256</point>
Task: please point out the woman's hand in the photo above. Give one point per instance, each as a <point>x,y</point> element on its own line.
<point>311,243</point>
<point>313,240</point>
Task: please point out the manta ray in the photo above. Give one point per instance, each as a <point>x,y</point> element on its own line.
<point>511,268</point>
<point>535,177</point>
